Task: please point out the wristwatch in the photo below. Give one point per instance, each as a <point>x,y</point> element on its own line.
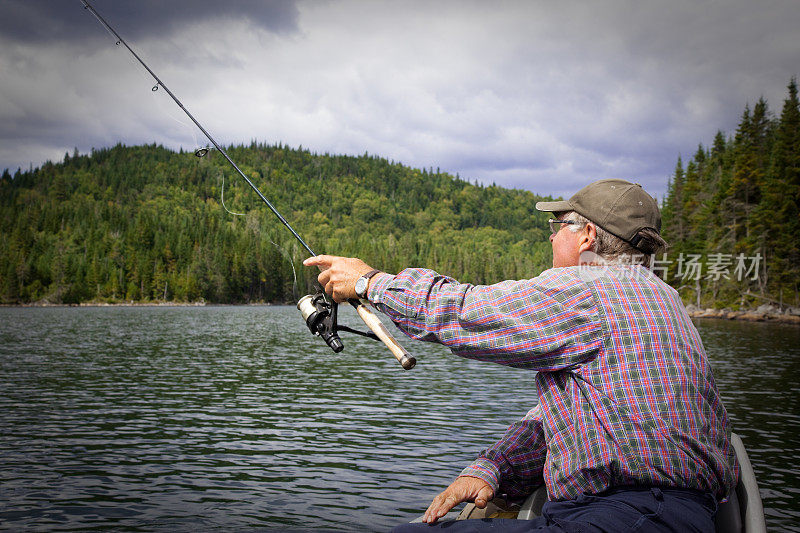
<point>362,283</point>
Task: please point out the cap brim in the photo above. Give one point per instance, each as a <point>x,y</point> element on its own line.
<point>554,207</point>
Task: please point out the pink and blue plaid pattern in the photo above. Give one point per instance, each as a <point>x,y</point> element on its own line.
<point>626,393</point>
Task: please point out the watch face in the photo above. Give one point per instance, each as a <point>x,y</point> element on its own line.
<point>361,284</point>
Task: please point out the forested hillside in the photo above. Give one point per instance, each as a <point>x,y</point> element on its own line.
<point>144,223</point>
<point>732,214</point>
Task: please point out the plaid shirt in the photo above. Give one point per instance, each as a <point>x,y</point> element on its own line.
<point>626,392</point>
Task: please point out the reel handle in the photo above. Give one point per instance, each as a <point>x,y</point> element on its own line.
<point>405,359</point>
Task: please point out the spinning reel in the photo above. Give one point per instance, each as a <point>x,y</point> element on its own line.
<point>320,315</point>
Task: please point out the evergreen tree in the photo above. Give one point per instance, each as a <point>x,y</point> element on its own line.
<point>777,221</point>
<point>672,212</point>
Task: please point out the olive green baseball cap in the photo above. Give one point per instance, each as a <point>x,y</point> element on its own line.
<point>618,206</point>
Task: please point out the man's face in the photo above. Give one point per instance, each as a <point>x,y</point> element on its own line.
<point>565,247</point>
<point>567,244</point>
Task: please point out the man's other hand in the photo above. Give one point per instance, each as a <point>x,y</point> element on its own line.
<point>463,489</point>
<point>339,274</point>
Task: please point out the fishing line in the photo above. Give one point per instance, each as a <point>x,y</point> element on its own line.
<point>103,23</point>
<point>160,84</point>
<point>198,151</point>
<point>222,197</point>
<point>318,310</point>
<point>283,252</point>
<point>167,111</point>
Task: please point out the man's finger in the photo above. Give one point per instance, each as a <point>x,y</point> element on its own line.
<point>445,507</point>
<point>322,261</point>
<point>440,506</point>
<point>430,511</point>
<point>483,497</point>
<point>324,277</point>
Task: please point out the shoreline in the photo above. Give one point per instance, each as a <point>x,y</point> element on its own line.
<point>761,314</point>
<point>139,304</point>
<point>769,314</point>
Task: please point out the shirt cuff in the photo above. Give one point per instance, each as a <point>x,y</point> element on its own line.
<point>485,470</point>
<point>377,285</point>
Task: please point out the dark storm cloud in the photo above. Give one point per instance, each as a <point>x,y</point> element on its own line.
<point>536,95</point>
<point>32,21</point>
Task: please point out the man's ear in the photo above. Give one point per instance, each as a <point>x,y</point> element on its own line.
<point>587,238</point>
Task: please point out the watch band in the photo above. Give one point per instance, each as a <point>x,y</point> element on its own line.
<point>366,277</point>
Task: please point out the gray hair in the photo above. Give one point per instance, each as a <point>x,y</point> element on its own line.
<point>613,250</point>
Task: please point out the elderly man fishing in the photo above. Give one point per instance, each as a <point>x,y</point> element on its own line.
<point>630,432</point>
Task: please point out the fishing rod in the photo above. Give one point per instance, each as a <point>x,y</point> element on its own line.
<point>319,313</point>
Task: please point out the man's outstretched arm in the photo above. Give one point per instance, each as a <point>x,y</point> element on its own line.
<point>543,324</point>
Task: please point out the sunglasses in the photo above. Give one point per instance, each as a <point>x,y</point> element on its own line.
<point>553,222</point>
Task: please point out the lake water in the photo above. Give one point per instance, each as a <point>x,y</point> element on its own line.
<point>235,417</point>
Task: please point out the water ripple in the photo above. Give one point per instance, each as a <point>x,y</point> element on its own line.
<point>230,417</point>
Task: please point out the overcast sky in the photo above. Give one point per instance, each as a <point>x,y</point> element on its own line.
<point>538,95</point>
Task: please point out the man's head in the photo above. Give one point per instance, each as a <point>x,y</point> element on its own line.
<point>612,218</point>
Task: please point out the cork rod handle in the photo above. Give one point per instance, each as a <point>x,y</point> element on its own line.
<point>406,360</point>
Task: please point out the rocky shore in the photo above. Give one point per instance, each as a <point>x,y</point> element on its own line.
<point>763,313</point>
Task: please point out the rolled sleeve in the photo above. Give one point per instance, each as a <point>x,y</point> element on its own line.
<point>377,285</point>
<point>485,470</point>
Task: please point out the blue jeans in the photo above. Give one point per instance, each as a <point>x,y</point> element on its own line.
<point>616,510</point>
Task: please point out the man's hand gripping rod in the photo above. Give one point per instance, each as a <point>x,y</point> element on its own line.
<point>364,312</point>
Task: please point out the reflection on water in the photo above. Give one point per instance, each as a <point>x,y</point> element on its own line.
<point>231,417</point>
<point>757,370</point>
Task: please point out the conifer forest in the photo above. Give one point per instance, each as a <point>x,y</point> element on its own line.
<point>145,223</point>
<point>732,213</point>
<point>148,224</point>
